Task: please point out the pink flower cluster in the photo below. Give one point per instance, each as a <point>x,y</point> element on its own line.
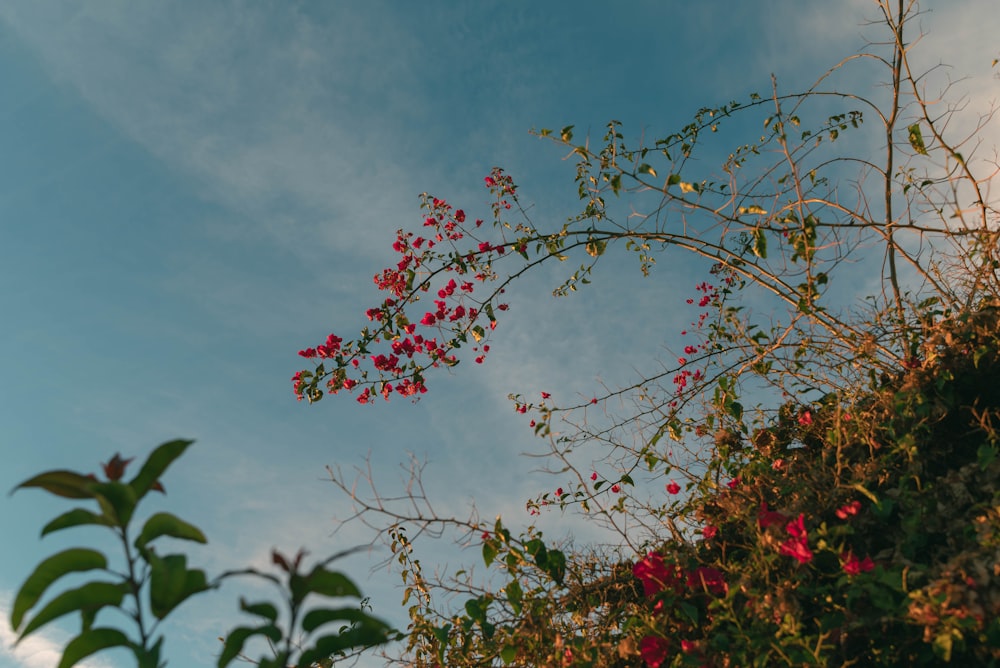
<point>658,576</point>
<point>421,258</point>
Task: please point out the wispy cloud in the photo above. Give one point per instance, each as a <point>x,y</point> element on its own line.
<point>39,650</point>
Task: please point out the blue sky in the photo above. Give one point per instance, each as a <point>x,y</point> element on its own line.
<point>191,192</point>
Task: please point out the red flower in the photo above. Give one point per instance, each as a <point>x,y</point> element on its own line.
<point>708,578</point>
<point>654,651</point>
<point>545,395</point>
<point>673,488</point>
<point>805,419</point>
<point>766,518</point>
<point>797,546</point>
<point>852,508</point>
<point>709,532</point>
<point>615,488</point>
<point>734,483</point>
<point>655,575</point>
<point>559,492</point>
<point>593,476</point>
<point>852,566</point>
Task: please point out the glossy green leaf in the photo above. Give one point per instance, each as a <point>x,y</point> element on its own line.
<point>67,484</point>
<point>165,524</point>
<point>89,597</point>
<point>90,642</point>
<point>155,465</point>
<point>233,645</point>
<point>74,518</point>
<point>74,560</point>
<point>171,583</point>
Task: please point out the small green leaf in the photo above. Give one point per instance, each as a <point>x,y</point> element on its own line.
<point>67,484</point>
<point>508,654</point>
<point>567,134</point>
<point>90,642</point>
<point>157,462</point>
<point>490,552</point>
<point>917,139</point>
<point>89,597</point>
<point>514,596</point>
<point>74,560</point>
<point>263,609</point>
<point>320,616</point>
<point>673,179</point>
<point>555,566</point>
<point>760,244</point>
<point>165,524</point>
<point>233,646</point>
<point>74,518</point>
<point>646,169</point>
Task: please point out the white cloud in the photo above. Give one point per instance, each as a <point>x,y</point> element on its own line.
<point>39,650</point>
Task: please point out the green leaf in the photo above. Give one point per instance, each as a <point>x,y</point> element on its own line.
<point>514,596</point>
<point>366,635</point>
<point>508,653</point>
<point>555,565</point>
<point>67,484</point>
<point>320,616</point>
<point>323,582</point>
<point>90,642</point>
<point>165,524</point>
<point>490,552</point>
<point>917,139</point>
<point>89,597</point>
<point>155,465</point>
<point>760,244</point>
<point>74,518</point>
<point>171,583</point>
<point>673,179</point>
<point>74,560</point>
<point>233,646</point>
<point>116,499</point>
<point>567,134</point>
<point>263,609</point>
<point>646,169</point>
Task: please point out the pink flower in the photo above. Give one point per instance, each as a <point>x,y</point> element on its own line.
<point>615,488</point>
<point>559,492</point>
<point>797,546</point>
<point>852,508</point>
<point>805,419</point>
<point>545,395</point>
<point>654,651</point>
<point>673,488</point>
<point>709,532</point>
<point>655,575</point>
<point>852,566</point>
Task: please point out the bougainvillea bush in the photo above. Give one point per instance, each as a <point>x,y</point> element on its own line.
<point>812,479</point>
